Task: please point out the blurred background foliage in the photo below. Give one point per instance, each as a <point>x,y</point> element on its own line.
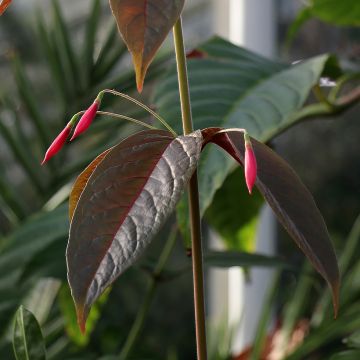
<point>42,85</point>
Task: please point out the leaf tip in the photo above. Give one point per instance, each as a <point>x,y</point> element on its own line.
<point>81,318</point>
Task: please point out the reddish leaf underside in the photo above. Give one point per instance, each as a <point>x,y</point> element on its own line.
<point>126,199</point>
<point>291,201</point>
<point>4,5</point>
<point>144,25</point>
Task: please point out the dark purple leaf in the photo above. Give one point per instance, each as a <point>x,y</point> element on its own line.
<point>126,199</point>
<point>291,201</point>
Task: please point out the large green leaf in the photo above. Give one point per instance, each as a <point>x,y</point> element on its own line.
<point>144,25</point>
<point>125,201</point>
<point>232,87</point>
<point>28,341</point>
<point>291,202</point>
<point>344,12</point>
<point>235,218</point>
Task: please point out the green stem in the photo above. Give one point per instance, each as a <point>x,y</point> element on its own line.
<point>194,209</point>
<point>142,313</point>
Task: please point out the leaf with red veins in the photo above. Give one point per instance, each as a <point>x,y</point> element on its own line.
<point>126,199</point>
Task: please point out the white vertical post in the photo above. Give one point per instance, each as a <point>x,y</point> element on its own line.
<point>252,24</point>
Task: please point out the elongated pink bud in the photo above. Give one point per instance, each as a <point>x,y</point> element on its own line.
<point>250,164</point>
<point>57,144</point>
<point>88,117</point>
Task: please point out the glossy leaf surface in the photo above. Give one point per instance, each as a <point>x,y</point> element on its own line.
<point>28,341</point>
<point>126,199</point>
<point>292,203</point>
<point>144,25</point>
<point>233,87</point>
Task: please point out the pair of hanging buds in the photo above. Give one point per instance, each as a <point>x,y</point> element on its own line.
<point>250,164</point>
<point>83,124</point>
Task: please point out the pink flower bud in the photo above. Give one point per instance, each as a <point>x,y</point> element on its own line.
<point>86,120</point>
<point>57,144</point>
<point>250,164</point>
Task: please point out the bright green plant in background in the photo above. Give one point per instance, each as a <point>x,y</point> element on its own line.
<point>250,92</point>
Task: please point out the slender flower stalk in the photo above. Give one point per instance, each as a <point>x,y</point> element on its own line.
<point>88,117</point>
<point>139,103</point>
<point>250,164</point>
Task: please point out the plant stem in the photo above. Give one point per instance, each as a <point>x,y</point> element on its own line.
<point>194,209</point>
<point>145,306</point>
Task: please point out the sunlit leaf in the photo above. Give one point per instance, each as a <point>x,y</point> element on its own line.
<point>292,203</point>
<point>68,312</point>
<point>28,341</point>
<point>236,228</point>
<point>144,25</point>
<point>81,182</point>
<point>126,200</point>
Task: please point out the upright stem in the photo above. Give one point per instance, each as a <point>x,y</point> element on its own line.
<point>194,208</point>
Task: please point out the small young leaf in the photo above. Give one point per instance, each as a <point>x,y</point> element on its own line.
<point>28,341</point>
<point>144,25</point>
<point>291,201</point>
<point>125,201</point>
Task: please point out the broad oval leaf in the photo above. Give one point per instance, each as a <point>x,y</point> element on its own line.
<point>28,342</point>
<point>144,25</point>
<point>125,201</point>
<point>291,201</point>
<point>81,181</point>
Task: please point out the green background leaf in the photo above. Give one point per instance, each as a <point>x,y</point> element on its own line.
<point>28,341</point>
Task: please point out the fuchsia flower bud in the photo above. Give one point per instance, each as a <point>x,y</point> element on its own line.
<point>88,117</point>
<point>60,140</point>
<point>57,144</point>
<point>250,164</point>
